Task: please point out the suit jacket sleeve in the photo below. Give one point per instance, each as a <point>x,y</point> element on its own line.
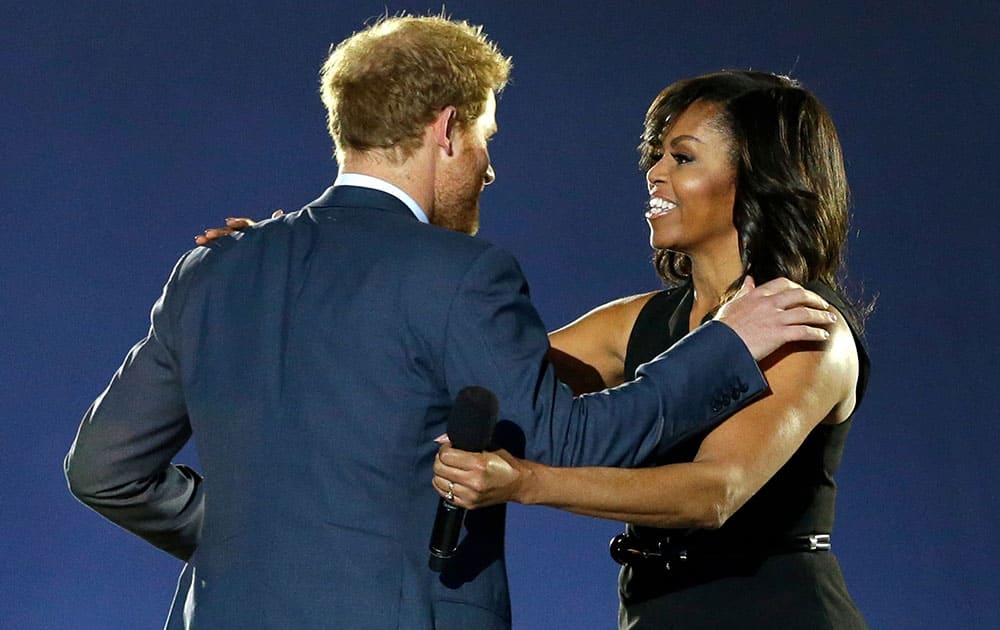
<point>119,464</point>
<point>496,339</point>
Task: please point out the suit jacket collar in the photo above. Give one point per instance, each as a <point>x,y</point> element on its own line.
<point>360,197</point>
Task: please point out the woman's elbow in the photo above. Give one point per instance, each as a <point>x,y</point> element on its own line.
<point>714,515</point>
<point>720,501</point>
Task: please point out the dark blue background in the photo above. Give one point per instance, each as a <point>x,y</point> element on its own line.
<point>127,127</point>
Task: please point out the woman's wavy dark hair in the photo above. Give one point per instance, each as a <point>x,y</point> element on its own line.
<point>791,209</point>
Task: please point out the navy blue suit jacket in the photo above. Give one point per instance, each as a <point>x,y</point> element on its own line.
<point>314,359</point>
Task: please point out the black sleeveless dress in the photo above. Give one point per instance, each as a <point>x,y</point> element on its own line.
<point>744,574</point>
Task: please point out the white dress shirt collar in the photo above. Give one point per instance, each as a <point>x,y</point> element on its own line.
<point>367,181</point>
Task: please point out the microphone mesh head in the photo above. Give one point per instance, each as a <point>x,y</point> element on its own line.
<point>472,419</point>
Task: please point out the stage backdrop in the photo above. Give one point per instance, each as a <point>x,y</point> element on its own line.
<point>127,127</point>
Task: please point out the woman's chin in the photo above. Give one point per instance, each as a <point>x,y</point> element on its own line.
<point>660,241</point>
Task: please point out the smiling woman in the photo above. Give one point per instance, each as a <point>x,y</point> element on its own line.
<point>790,208</point>
<point>732,529</point>
<point>693,187</point>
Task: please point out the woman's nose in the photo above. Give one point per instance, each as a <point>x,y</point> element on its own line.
<point>655,175</point>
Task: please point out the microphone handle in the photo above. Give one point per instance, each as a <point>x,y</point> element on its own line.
<point>444,538</point>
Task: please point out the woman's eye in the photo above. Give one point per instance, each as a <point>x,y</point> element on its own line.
<point>681,158</point>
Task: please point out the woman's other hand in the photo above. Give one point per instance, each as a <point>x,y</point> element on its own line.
<point>237,224</point>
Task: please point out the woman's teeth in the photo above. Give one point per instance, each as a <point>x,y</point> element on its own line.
<point>657,206</point>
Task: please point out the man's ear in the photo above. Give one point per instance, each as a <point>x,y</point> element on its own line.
<point>443,128</point>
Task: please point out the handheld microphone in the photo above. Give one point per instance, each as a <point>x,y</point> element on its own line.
<point>470,428</point>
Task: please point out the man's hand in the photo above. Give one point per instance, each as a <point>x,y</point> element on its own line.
<point>776,313</point>
<point>232,225</point>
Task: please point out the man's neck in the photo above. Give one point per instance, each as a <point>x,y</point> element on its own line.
<point>411,176</point>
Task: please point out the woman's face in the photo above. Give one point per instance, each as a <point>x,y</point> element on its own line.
<point>692,188</point>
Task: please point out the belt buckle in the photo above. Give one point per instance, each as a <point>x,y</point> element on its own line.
<point>819,542</point>
<point>625,553</point>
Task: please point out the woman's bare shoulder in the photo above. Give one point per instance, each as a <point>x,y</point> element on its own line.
<point>841,368</point>
<point>620,311</point>
<point>599,338</point>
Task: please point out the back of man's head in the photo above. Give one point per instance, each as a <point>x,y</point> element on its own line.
<point>383,85</point>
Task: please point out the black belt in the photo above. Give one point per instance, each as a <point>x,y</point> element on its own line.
<point>674,552</point>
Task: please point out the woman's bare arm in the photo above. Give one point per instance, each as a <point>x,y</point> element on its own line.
<point>810,382</point>
<point>589,353</point>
